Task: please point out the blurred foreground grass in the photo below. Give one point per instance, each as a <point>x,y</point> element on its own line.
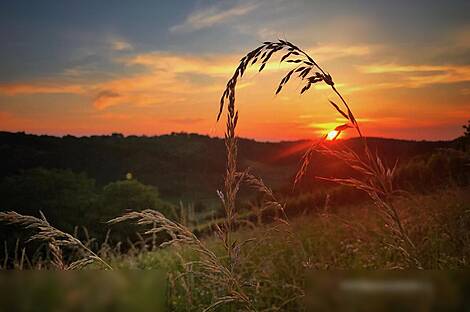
<point>82,291</point>
<point>325,291</point>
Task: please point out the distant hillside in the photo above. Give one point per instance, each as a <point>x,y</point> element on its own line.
<point>189,166</point>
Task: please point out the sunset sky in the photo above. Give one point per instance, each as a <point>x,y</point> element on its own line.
<point>154,67</point>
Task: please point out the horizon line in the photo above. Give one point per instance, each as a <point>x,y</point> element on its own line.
<point>115,133</point>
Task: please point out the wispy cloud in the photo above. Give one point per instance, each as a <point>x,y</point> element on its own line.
<point>179,82</point>
<point>13,89</point>
<point>415,76</point>
<point>185,121</point>
<point>121,45</point>
<point>328,52</point>
<point>175,78</point>
<point>105,98</point>
<point>180,62</point>
<point>162,81</point>
<point>167,78</point>
<point>213,15</point>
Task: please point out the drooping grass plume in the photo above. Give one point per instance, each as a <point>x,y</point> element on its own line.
<point>377,179</point>
<point>217,274</point>
<point>306,68</point>
<point>56,240</point>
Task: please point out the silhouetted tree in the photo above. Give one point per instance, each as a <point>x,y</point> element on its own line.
<point>466,129</point>
<point>121,196</point>
<point>118,197</point>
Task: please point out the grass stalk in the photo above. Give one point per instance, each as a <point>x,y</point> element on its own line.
<point>55,239</point>
<point>377,179</point>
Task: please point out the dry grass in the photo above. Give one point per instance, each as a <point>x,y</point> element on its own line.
<point>56,240</point>
<point>210,267</point>
<point>377,180</point>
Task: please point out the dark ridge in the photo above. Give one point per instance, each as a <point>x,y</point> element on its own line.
<point>180,165</point>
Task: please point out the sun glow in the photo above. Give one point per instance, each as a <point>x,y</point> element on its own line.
<point>332,135</point>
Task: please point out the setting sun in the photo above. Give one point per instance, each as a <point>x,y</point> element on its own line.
<point>332,135</point>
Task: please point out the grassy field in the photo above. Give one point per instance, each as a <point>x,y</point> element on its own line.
<point>277,263</point>
<point>348,237</point>
<point>299,266</point>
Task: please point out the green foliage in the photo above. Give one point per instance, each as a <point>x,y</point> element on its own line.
<point>72,201</point>
<point>128,195</point>
<point>64,196</point>
<point>176,164</point>
<point>442,168</point>
<point>118,197</point>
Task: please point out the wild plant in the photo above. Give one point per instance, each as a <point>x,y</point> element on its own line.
<point>377,179</point>
<point>56,240</point>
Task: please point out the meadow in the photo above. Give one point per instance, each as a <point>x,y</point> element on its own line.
<point>345,206</point>
<point>282,264</point>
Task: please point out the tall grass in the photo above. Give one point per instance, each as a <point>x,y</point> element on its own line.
<point>220,271</point>
<point>377,179</point>
<point>56,240</point>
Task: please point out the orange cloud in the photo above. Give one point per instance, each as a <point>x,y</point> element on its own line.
<point>174,62</point>
<point>167,92</point>
<point>168,76</point>
<point>171,77</point>
<point>12,89</point>
<point>326,52</point>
